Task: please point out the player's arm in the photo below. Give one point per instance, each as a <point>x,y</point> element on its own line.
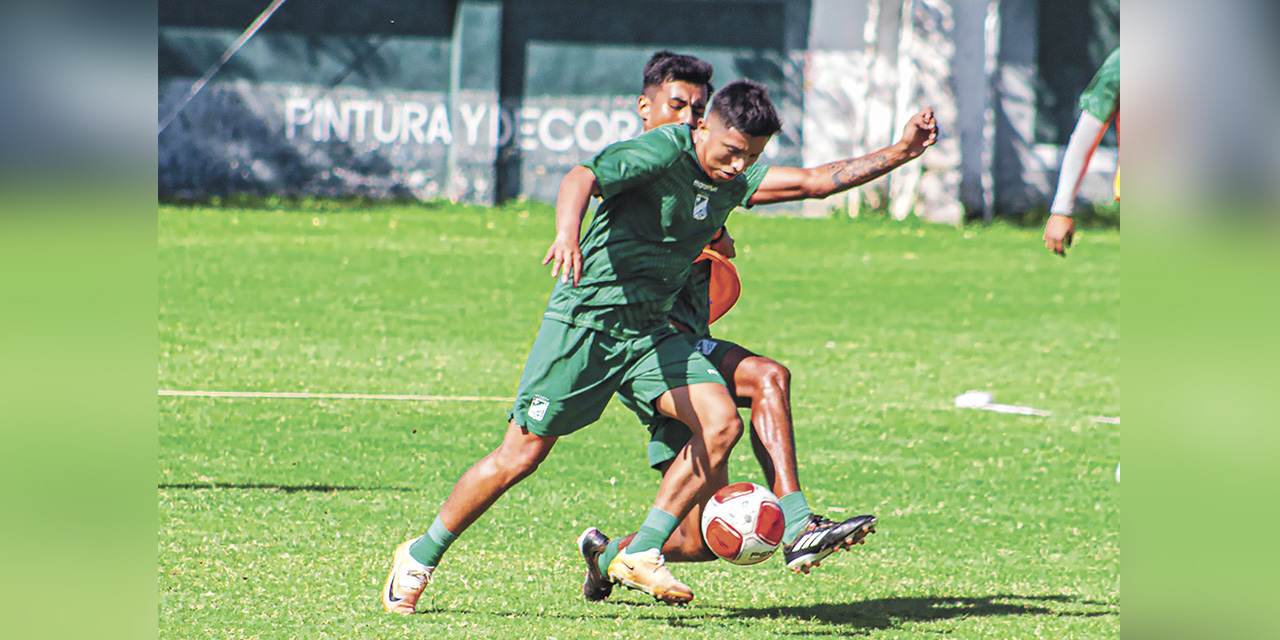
<point>565,256</point>
<point>616,168</point>
<point>785,184</point>
<point>1085,138</point>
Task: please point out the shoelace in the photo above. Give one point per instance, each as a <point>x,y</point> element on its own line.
<point>655,556</point>
<point>805,539</point>
<point>413,579</point>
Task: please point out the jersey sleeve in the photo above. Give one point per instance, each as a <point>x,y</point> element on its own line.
<point>625,164</point>
<point>754,176</point>
<point>1101,99</point>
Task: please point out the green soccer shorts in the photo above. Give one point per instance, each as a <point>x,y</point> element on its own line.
<point>572,372</point>
<point>667,436</point>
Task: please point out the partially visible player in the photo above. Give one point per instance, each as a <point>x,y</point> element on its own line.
<point>605,331</point>
<point>1099,106</point>
<point>675,90</point>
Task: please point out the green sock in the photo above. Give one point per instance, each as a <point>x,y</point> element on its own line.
<point>796,512</point>
<point>431,546</point>
<point>610,552</point>
<point>653,533</point>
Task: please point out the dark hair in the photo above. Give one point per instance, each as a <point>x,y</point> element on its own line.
<point>745,106</point>
<point>667,66</point>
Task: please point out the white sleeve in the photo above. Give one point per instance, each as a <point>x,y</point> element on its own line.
<point>1084,141</point>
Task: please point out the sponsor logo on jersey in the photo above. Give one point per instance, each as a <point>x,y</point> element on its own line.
<point>538,408</point>
<point>704,186</point>
<point>705,346</point>
<point>700,203</point>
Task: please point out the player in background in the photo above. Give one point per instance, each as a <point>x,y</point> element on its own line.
<point>1099,106</point>
<point>675,91</point>
<point>605,331</point>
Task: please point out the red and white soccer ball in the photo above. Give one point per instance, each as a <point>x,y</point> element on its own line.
<point>743,523</point>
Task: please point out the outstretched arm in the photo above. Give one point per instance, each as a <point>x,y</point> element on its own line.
<point>785,184</point>
<point>1060,228</point>
<point>576,190</point>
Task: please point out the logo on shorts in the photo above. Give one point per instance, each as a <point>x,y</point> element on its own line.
<point>700,203</point>
<point>538,408</point>
<point>705,346</point>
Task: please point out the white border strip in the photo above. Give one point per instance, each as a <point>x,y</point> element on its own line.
<point>327,396</point>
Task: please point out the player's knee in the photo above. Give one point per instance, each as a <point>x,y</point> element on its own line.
<point>720,435</point>
<point>775,378</point>
<point>518,463</point>
<point>761,378</point>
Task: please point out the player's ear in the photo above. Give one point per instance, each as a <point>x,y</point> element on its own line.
<point>642,107</point>
<point>701,129</point>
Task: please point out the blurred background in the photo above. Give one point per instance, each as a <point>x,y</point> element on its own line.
<point>483,101</point>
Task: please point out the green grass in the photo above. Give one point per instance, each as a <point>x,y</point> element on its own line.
<point>277,517</point>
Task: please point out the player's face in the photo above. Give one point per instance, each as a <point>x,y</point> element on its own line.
<point>725,152</point>
<point>674,102</point>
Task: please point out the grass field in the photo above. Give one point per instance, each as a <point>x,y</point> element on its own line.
<point>277,517</point>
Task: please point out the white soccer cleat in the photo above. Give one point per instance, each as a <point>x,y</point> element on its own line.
<point>406,582</point>
<point>647,571</point>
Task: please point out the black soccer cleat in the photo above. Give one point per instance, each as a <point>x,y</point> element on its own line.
<point>822,537</point>
<point>596,586</point>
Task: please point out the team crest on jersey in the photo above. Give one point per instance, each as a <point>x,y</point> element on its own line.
<point>700,203</point>
<point>538,408</point>
<point>705,346</point>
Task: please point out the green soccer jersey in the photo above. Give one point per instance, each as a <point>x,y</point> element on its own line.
<point>692,307</point>
<point>1101,99</point>
<point>659,210</point>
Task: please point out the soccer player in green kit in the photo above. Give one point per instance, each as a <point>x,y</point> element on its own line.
<point>1099,107</point>
<point>665,195</point>
<point>675,90</point>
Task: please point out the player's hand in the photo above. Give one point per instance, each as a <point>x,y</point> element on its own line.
<point>921,132</point>
<point>1058,233</point>
<point>565,258</point>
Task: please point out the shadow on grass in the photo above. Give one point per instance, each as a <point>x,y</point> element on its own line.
<point>317,488</point>
<point>891,612</point>
<point>852,618</point>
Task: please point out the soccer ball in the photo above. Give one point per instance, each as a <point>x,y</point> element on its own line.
<point>743,523</point>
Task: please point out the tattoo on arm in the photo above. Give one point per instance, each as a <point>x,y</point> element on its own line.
<point>846,174</point>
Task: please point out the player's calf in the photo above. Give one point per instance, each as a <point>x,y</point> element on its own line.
<point>686,543</point>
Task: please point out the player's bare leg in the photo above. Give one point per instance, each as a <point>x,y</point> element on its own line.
<point>766,383</point>
<point>810,538</point>
<point>415,561</point>
<point>518,456</point>
<point>695,473</point>
<point>686,544</point>
<point>691,477</point>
